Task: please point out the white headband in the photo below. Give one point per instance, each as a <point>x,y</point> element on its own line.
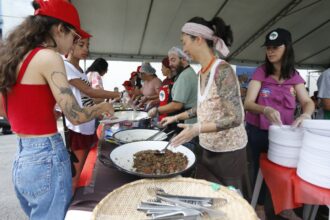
<point>199,30</point>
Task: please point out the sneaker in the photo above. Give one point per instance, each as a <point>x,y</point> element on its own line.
<point>290,214</point>
<point>260,210</point>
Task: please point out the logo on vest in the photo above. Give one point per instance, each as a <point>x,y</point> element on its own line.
<point>161,95</point>
<point>292,91</point>
<point>265,92</point>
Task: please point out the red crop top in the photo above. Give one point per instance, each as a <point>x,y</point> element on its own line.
<point>31,107</point>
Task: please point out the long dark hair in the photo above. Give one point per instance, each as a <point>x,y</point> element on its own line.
<point>287,66</point>
<point>31,33</point>
<point>99,65</point>
<point>219,27</point>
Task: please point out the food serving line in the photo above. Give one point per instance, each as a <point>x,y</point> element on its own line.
<point>112,178</point>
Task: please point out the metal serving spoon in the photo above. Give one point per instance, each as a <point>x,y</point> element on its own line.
<point>162,151</point>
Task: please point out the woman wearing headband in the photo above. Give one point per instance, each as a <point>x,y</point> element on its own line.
<point>219,108</point>
<point>32,80</point>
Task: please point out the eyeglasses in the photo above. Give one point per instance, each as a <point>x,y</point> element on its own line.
<point>76,36</point>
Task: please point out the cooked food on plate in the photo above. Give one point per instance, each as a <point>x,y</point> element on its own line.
<point>149,162</point>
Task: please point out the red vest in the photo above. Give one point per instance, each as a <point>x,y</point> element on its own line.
<point>164,97</point>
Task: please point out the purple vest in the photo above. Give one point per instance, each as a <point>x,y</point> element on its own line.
<point>280,96</point>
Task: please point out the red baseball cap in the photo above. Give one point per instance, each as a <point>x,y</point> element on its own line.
<point>133,74</point>
<point>62,10</point>
<point>127,83</point>
<point>138,69</point>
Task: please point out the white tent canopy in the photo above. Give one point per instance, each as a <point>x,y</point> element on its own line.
<point>146,29</point>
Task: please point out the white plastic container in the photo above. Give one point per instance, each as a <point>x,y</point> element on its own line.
<point>284,145</point>
<point>320,127</point>
<point>314,161</point>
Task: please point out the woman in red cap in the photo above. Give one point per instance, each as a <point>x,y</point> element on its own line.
<point>83,136</point>
<point>128,87</point>
<point>32,80</point>
<point>128,93</point>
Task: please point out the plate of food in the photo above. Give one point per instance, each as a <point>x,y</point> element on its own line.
<point>141,159</point>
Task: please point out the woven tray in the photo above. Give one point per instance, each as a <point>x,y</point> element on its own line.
<point>122,202</point>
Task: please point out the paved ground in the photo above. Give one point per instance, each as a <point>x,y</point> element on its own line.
<point>9,205</point>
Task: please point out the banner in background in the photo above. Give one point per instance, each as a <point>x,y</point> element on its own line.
<point>244,74</point>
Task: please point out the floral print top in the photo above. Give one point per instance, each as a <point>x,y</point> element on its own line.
<point>221,103</point>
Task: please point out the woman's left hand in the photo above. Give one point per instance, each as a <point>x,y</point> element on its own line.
<point>189,132</point>
<point>300,119</point>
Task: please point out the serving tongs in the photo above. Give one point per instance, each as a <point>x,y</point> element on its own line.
<point>161,210</point>
<point>196,200</point>
<point>212,213</point>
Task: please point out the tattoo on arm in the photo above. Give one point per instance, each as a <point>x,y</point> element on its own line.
<point>228,90</point>
<point>70,105</point>
<point>192,113</point>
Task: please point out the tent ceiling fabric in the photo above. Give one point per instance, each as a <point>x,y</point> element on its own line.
<point>147,29</point>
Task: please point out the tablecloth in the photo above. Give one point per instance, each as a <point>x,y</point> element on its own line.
<point>287,190</point>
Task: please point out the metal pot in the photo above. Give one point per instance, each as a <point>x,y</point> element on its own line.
<point>131,115</point>
<point>122,157</point>
<point>138,119</point>
<point>138,134</point>
<point>130,119</point>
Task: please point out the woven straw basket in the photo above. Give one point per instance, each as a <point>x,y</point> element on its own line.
<point>122,202</point>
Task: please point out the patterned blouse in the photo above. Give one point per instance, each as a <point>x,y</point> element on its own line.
<point>221,104</point>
